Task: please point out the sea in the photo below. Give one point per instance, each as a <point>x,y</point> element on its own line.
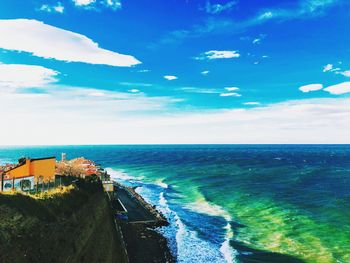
<point>234,203</point>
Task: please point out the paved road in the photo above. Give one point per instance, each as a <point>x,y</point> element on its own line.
<point>136,212</point>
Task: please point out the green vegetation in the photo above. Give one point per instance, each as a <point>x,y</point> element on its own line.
<point>70,224</point>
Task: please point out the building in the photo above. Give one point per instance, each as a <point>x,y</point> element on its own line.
<point>78,167</point>
<point>108,186</point>
<point>28,173</point>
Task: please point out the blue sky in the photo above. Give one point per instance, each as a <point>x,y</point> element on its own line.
<point>109,71</point>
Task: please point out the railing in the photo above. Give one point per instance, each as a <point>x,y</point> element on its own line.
<point>27,185</point>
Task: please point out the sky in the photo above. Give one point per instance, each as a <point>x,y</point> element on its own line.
<point>173,72</point>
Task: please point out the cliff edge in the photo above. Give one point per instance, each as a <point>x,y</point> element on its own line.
<point>76,226</point>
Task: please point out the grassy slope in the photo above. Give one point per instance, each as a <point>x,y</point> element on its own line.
<point>74,227</point>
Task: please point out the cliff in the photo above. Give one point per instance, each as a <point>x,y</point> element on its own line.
<point>73,227</point>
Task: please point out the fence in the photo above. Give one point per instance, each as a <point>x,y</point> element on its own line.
<point>28,184</point>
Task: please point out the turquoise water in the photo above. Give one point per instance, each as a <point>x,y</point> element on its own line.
<point>268,203</point>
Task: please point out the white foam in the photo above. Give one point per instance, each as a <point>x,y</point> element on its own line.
<point>193,249</point>
<point>162,184</point>
<point>201,205</point>
<point>5,161</point>
<point>121,175</point>
<point>226,249</point>
<point>185,243</point>
<point>188,246</point>
<point>163,204</point>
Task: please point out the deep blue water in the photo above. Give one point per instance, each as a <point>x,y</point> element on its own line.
<point>231,202</point>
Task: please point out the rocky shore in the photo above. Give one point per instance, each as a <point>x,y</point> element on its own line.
<point>143,243</point>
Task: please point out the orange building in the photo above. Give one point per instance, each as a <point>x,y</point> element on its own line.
<point>29,172</point>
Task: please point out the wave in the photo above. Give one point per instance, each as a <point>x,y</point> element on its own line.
<point>121,175</point>
<point>184,242</point>
<point>160,183</point>
<point>189,247</point>
<point>201,205</point>
<point>227,251</point>
<point>4,161</point>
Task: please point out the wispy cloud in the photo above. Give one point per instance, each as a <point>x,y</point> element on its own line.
<point>251,103</point>
<point>50,42</point>
<point>113,4</point>
<point>134,91</point>
<point>345,73</point>
<point>302,10</point>
<point>143,70</point>
<point>230,94</point>
<point>170,77</point>
<point>218,8</point>
<point>311,87</point>
<point>327,67</point>
<point>200,90</point>
<point>135,84</point>
<point>231,88</point>
<point>83,2</point>
<point>218,54</point>
<point>91,4</point>
<point>336,70</point>
<point>57,8</point>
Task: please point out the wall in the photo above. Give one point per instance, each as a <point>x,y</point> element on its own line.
<point>22,170</point>
<point>45,168</point>
<point>36,168</point>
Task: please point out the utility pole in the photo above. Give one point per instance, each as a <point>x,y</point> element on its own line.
<point>2,181</point>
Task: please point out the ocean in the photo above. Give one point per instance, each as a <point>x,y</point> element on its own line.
<point>235,203</point>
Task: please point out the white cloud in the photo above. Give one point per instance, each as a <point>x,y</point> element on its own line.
<point>135,118</point>
<point>218,8</point>
<point>124,83</point>
<point>230,94</point>
<point>143,70</point>
<point>251,103</point>
<point>302,9</point>
<point>83,2</point>
<point>91,4</point>
<point>170,77</point>
<point>346,73</point>
<point>311,87</point>
<point>218,54</point>
<point>58,8</point>
<point>114,4</point>
<point>265,15</point>
<point>328,67</point>
<point>339,89</point>
<point>14,76</point>
<point>231,88</point>
<point>50,42</point>
<point>134,90</point>
<point>256,41</point>
<point>199,90</point>
<point>288,122</point>
<point>205,72</point>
